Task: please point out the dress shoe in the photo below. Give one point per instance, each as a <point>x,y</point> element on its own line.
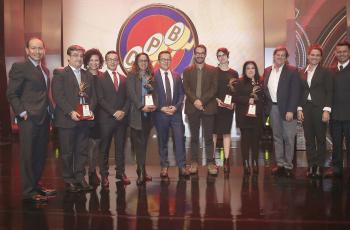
<point>93,178</point>
<point>246,167</point>
<point>84,186</point>
<point>212,169</point>
<point>310,172</point>
<point>164,172</point>
<point>72,187</point>
<point>226,165</point>
<point>183,172</point>
<point>318,172</point>
<point>194,168</point>
<point>331,172</point>
<point>288,173</point>
<point>105,182</point>
<point>255,167</point>
<point>36,199</point>
<point>278,171</point>
<point>46,191</point>
<point>123,178</point>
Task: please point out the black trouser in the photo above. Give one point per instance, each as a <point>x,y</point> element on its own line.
<point>249,141</point>
<point>107,132</point>
<point>33,143</point>
<point>339,130</point>
<point>73,144</point>
<point>139,139</point>
<point>194,121</point>
<point>315,134</point>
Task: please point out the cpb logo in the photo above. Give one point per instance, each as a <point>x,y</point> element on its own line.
<point>155,28</point>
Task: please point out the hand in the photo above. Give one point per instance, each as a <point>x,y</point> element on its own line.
<point>74,116</point>
<point>251,101</point>
<point>166,110</point>
<point>325,116</point>
<point>198,104</point>
<point>92,116</point>
<point>148,108</point>
<point>119,115</point>
<point>230,107</point>
<point>289,116</point>
<point>300,115</point>
<point>25,117</point>
<point>172,109</point>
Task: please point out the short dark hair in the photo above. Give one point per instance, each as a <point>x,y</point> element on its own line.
<point>244,72</point>
<point>89,53</point>
<point>74,48</point>
<point>200,46</point>
<point>343,43</point>
<point>32,38</point>
<point>281,48</point>
<point>163,52</point>
<point>315,47</point>
<point>111,52</point>
<point>224,50</point>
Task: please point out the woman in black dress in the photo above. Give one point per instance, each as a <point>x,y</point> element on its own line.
<point>93,62</point>
<point>248,94</point>
<point>224,116</point>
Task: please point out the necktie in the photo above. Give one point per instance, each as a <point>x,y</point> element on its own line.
<point>341,67</point>
<point>41,74</point>
<point>115,79</point>
<point>167,89</point>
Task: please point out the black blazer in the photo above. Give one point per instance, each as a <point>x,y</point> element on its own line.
<point>65,91</point>
<point>27,91</point>
<point>341,94</point>
<point>241,95</point>
<point>288,91</point>
<point>109,100</point>
<point>209,89</point>
<point>321,88</point>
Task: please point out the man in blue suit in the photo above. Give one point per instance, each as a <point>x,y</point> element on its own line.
<point>170,94</point>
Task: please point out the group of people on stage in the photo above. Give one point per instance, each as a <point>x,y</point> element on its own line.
<point>91,107</point>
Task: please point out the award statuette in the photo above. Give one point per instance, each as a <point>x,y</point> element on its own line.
<point>252,108</point>
<point>228,100</point>
<point>82,107</point>
<point>149,88</point>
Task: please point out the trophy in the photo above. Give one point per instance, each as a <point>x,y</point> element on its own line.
<point>149,88</point>
<point>82,107</point>
<point>228,98</point>
<point>252,108</point>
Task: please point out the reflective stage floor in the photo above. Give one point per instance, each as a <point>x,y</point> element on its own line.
<point>202,202</point>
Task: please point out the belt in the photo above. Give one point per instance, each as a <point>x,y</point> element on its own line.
<point>274,103</point>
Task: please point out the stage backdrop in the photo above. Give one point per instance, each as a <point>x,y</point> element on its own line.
<point>175,25</point>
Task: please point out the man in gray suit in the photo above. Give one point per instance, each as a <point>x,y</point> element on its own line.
<point>27,93</point>
<point>73,130</point>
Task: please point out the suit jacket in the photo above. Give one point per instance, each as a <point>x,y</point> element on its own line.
<point>178,94</point>
<point>134,93</point>
<point>341,94</point>
<point>110,100</point>
<point>321,88</point>
<point>27,91</point>
<point>288,91</point>
<point>209,89</point>
<point>65,89</point>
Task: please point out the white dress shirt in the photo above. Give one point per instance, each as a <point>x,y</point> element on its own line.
<point>110,72</point>
<point>272,85</point>
<point>170,77</point>
<point>344,64</point>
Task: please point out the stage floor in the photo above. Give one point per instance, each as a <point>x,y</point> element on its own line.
<point>202,202</point>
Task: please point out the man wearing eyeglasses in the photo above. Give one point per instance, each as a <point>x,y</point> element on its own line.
<point>170,94</point>
<point>73,130</point>
<point>113,107</point>
<point>200,85</point>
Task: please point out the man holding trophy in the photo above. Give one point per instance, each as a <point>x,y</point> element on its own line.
<point>74,94</point>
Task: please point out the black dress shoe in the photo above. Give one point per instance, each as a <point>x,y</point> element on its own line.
<point>318,172</point>
<point>184,173</point>
<point>123,178</point>
<point>255,167</point>
<point>72,187</point>
<point>277,171</point>
<point>164,172</point>
<point>84,186</point>
<point>36,199</point>
<point>46,191</point>
<point>246,168</point>
<point>310,171</point>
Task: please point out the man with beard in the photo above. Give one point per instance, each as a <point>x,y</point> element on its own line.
<point>200,86</point>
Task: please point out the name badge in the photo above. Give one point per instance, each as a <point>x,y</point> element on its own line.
<point>228,99</point>
<point>251,111</point>
<point>149,99</point>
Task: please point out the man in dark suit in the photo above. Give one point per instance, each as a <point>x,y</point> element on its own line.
<point>200,84</point>
<point>314,109</point>
<point>170,94</point>
<point>340,117</point>
<point>111,117</point>
<point>282,88</point>
<point>28,94</point>
<point>68,84</point>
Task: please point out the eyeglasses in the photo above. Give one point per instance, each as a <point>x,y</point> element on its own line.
<point>77,55</point>
<point>143,61</point>
<point>112,59</point>
<point>165,60</point>
<point>199,53</point>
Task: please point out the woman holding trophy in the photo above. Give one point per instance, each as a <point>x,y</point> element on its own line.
<point>248,96</point>
<point>224,116</point>
<point>140,85</point>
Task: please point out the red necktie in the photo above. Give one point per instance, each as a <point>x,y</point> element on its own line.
<point>115,78</point>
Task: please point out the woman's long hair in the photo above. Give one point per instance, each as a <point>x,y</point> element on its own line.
<point>135,69</point>
<point>256,76</point>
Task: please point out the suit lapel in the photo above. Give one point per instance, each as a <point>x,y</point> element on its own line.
<point>160,84</point>
<point>316,76</point>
